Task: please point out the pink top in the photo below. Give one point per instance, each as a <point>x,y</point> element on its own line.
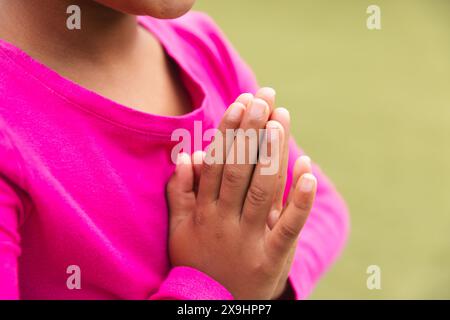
<point>82,179</point>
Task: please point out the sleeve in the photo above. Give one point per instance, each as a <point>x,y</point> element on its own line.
<point>326,231</point>
<point>184,283</point>
<point>9,243</point>
<point>10,211</point>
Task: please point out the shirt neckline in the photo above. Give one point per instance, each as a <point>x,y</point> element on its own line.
<point>112,111</point>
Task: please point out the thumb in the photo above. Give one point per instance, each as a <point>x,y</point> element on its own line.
<point>301,166</point>
<point>286,231</point>
<point>180,190</point>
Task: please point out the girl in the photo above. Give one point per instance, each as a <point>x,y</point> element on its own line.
<point>86,118</point>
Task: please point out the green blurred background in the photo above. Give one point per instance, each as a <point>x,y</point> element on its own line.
<point>373,109</point>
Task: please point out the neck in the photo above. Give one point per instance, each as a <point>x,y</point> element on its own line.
<point>39,27</point>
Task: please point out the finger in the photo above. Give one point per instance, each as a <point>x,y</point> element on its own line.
<point>243,156</point>
<point>267,94</point>
<point>263,186</point>
<point>212,167</point>
<point>302,165</point>
<point>245,99</point>
<point>199,156</point>
<point>197,162</point>
<point>180,193</point>
<point>282,116</point>
<point>286,231</point>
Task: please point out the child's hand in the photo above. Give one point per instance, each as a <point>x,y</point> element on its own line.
<point>229,228</point>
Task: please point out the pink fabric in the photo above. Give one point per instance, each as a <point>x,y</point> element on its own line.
<point>82,179</point>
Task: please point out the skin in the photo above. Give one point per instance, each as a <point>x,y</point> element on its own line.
<point>231,215</point>
<point>164,9</point>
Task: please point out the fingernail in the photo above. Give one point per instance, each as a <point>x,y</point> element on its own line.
<point>198,157</point>
<point>307,182</point>
<point>258,108</point>
<point>245,99</point>
<point>305,159</point>
<point>182,158</point>
<point>273,218</point>
<point>235,111</point>
<point>275,214</point>
<point>269,91</point>
<point>282,110</point>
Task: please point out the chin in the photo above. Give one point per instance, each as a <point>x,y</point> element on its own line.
<point>162,9</point>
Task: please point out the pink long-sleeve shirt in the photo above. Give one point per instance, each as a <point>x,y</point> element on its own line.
<point>82,179</point>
